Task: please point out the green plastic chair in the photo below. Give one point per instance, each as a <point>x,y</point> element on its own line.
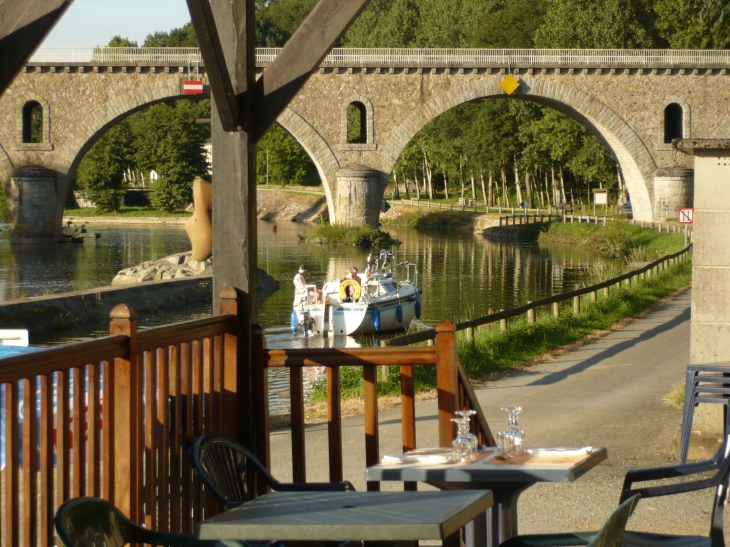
<point>94,522</point>
<point>611,535</point>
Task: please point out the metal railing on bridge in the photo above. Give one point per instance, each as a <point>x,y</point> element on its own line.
<point>409,57</point>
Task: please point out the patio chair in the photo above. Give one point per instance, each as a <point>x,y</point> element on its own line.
<point>94,522</point>
<point>609,536</point>
<point>222,466</point>
<point>708,384</point>
<point>720,463</point>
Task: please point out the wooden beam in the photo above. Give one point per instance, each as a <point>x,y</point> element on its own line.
<point>234,197</point>
<point>301,55</point>
<point>221,86</point>
<point>23,26</point>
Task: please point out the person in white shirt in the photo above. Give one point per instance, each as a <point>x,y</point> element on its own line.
<point>300,283</point>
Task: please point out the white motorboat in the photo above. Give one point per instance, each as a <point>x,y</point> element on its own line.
<point>378,303</point>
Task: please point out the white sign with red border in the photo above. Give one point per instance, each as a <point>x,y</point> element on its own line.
<point>193,87</point>
<point>686,215</point>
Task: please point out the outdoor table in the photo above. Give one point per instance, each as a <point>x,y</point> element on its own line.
<point>506,479</point>
<point>387,518</point>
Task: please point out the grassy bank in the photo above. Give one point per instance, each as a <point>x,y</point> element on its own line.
<point>495,351</point>
<point>429,221</point>
<point>356,236</point>
<point>124,212</point>
<point>615,239</point>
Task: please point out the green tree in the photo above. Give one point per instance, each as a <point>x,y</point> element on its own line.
<point>692,24</point>
<point>100,173</point>
<point>285,162</point>
<point>118,41</point>
<point>606,24</point>
<point>169,142</point>
<point>276,20</point>
<point>177,37</point>
<point>509,24</point>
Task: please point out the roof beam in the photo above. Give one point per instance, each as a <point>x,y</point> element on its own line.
<point>301,55</point>
<point>221,86</point>
<point>23,26</point>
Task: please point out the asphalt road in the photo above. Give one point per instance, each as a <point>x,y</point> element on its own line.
<point>607,393</point>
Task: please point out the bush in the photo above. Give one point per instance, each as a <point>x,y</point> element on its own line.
<point>4,209</point>
<point>356,236</point>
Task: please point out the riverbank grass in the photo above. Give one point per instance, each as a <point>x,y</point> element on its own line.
<point>354,236</point>
<point>126,212</point>
<point>495,351</point>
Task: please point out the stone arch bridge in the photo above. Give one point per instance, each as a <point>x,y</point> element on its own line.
<point>635,101</point>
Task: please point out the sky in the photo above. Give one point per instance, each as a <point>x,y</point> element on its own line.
<point>89,23</point>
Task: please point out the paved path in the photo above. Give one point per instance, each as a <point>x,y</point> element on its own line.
<point>608,393</point>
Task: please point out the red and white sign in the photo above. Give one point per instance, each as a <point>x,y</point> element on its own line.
<point>193,87</point>
<point>686,215</point>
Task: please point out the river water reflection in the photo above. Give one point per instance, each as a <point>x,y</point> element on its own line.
<point>462,275</point>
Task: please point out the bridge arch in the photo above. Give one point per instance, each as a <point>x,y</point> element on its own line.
<point>636,162</point>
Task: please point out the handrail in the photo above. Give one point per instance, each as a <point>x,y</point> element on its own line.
<point>429,334</point>
<point>409,57</point>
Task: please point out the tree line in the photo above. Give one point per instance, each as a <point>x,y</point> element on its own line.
<point>508,151</point>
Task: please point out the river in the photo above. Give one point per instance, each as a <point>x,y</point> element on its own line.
<point>463,275</point>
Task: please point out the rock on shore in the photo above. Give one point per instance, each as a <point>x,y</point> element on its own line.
<point>178,266</point>
<point>182,266</point>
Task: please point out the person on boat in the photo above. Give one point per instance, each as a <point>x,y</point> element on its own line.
<point>352,274</point>
<point>300,284</point>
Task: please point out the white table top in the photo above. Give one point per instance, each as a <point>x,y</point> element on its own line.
<point>540,465</point>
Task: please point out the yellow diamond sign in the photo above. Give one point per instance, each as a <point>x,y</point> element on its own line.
<point>509,84</point>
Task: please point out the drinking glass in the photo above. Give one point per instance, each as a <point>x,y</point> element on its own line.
<point>461,447</point>
<point>466,416</point>
<point>512,440</point>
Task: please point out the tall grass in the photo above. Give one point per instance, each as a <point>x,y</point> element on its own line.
<point>357,236</point>
<point>495,351</point>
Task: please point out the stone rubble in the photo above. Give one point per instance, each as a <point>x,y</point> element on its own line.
<point>177,266</point>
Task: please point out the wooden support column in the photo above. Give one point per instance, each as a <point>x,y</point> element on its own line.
<point>447,380</point>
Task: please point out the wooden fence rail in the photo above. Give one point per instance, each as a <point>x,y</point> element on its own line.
<point>114,417</point>
<point>662,263</point>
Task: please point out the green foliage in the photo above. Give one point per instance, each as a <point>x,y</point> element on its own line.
<point>100,173</point>
<point>597,24</point>
<point>276,20</point>
<point>177,37</point>
<point>118,41</point>
<point>4,209</point>
<point>124,212</point>
<point>354,236</point>
<point>288,163</point>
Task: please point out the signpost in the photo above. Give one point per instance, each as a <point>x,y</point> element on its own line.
<point>686,215</point>
<point>193,87</point>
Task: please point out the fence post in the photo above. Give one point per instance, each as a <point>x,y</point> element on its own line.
<point>556,310</point>
<point>260,400</point>
<point>594,296</point>
<point>384,369</point>
<point>125,419</point>
<point>503,324</point>
<point>447,380</point>
<point>470,335</point>
<point>605,292</point>
<point>530,315</point>
<point>576,305</point>
<point>429,342</point>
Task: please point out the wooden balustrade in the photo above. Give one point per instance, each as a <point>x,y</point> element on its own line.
<point>148,394</point>
<point>114,418</point>
<point>454,393</point>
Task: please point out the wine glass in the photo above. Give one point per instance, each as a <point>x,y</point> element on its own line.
<point>513,438</point>
<point>466,416</point>
<point>461,447</point>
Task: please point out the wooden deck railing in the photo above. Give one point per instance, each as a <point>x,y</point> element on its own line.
<point>114,417</point>
<point>454,393</point>
<point>630,278</point>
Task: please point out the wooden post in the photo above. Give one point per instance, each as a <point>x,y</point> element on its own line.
<point>384,369</point>
<point>446,380</point>
<point>125,419</point>
<point>556,310</point>
<point>470,336</point>
<point>261,404</point>
<point>503,324</point>
<point>576,305</point>
<point>594,296</point>
<point>531,315</point>
<point>605,292</point>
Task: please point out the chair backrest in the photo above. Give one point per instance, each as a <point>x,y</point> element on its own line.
<point>225,468</point>
<point>95,522</point>
<point>612,533</point>
<point>709,384</point>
